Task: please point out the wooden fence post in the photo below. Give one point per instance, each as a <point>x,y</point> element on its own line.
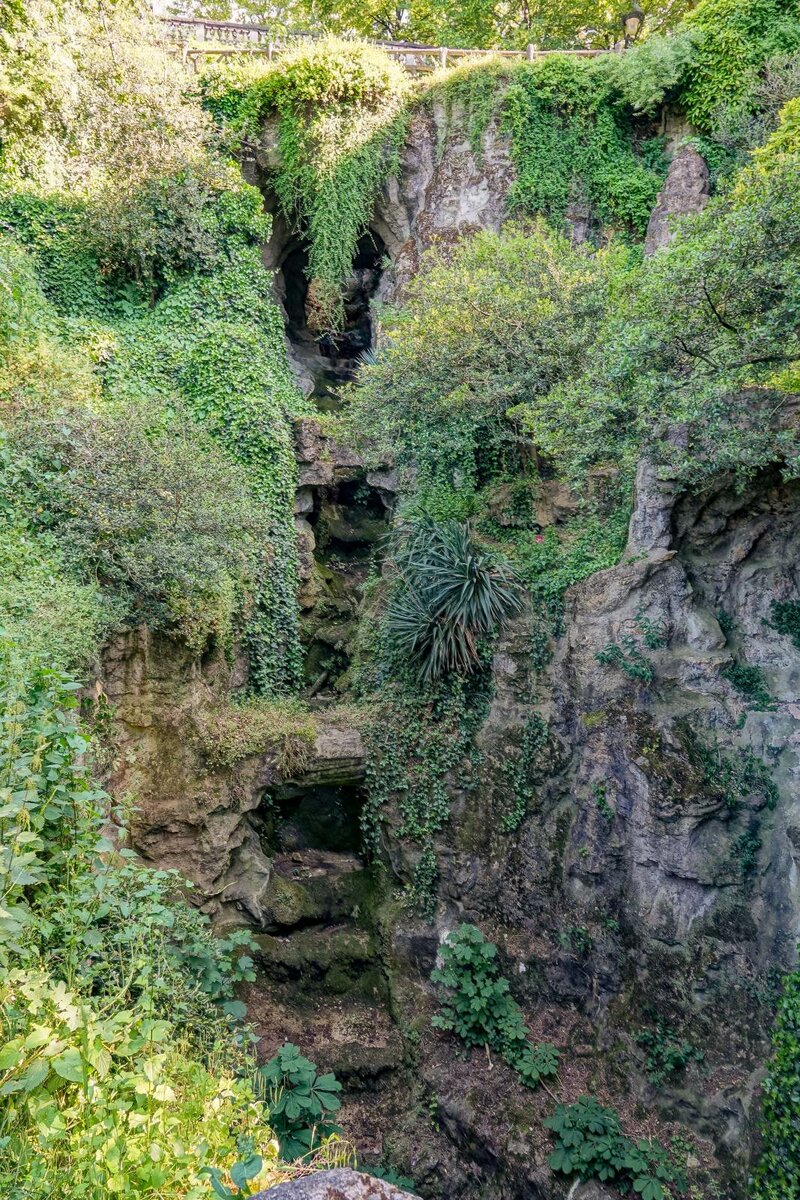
<point>443,56</point>
<point>531,51</point>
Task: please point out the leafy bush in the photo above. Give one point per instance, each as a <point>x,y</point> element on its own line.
<point>173,224</point>
<point>211,351</point>
<point>747,123</point>
<point>153,511</point>
<point>478,1007</point>
<point>590,1144</point>
<point>299,1101</point>
<point>699,346</point>
<point>494,323</point>
<point>734,37</point>
<point>101,1100</point>
<point>651,71</point>
<point>570,143</point>
<point>120,1071</point>
<point>778,1171</point>
<point>79,102</point>
<point>50,614</point>
<point>451,594</point>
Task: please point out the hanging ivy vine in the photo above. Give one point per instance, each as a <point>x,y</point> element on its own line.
<point>341,120</point>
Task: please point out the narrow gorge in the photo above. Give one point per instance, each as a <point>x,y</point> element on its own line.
<point>401,621</point>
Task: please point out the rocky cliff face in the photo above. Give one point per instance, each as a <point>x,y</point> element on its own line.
<point>653,882</point>
<point>650,888</point>
<point>192,813</point>
<point>442,192</point>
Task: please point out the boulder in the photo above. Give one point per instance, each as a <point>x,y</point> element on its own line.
<point>341,1184</point>
<point>686,190</point>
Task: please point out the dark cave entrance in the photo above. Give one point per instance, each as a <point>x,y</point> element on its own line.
<point>299,817</point>
<point>330,359</point>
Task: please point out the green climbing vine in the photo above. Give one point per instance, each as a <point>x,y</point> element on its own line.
<point>341,118</point>
<point>415,740</point>
<point>210,347</point>
<point>778,1171</point>
<point>572,144</point>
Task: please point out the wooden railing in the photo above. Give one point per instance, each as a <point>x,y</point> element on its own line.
<point>196,40</point>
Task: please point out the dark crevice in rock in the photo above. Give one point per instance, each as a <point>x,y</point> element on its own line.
<point>325,359</point>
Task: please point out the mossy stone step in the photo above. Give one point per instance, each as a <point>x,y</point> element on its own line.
<point>339,959</point>
<point>314,887</point>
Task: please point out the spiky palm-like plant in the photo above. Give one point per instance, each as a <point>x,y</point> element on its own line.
<point>451,592</point>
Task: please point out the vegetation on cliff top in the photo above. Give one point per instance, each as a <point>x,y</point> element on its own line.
<point>473,23</point>
<point>147,397</point>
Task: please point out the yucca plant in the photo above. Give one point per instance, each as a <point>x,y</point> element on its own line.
<point>451,592</point>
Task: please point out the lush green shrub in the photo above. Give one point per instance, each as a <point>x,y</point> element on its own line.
<point>746,124</point>
<point>102,1100</point>
<point>572,145</point>
<point>700,345</point>
<point>478,1007</point>
<point>299,1101</point>
<point>778,1171</point>
<point>590,1144</point>
<point>497,320</point>
<point>92,104</point>
<point>650,72</point>
<point>733,38</point>
<point>785,141</point>
<point>49,613</point>
<point>212,344</point>
<point>450,594</point>
<point>119,1070</point>
<point>148,508</point>
<point>173,224</point>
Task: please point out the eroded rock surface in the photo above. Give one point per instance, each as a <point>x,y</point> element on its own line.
<point>686,190</point>
<point>341,1184</point>
<point>190,815</point>
<point>442,192</point>
<point>654,877</point>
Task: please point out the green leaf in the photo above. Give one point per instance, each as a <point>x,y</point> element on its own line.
<point>69,1065</point>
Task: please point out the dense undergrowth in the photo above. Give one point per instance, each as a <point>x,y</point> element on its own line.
<point>146,392</point>
<point>147,478</point>
<point>120,1073</point>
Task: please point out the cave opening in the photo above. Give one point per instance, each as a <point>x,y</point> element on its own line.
<point>330,359</point>
<point>299,818</point>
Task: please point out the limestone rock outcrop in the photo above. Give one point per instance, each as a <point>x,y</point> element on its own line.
<point>442,192</point>
<point>686,190</point>
<point>341,1184</point>
<point>192,815</point>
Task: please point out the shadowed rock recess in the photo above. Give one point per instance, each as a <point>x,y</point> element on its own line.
<point>651,886</point>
